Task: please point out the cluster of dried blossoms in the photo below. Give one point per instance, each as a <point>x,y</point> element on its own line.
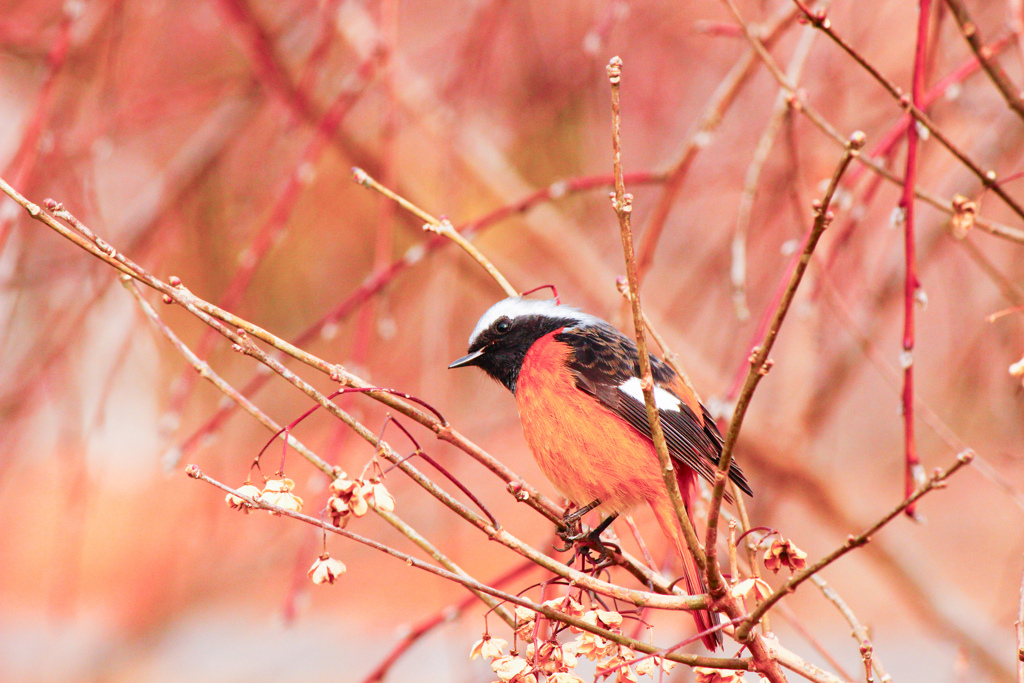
<point>782,553</point>
<point>326,569</point>
<point>355,497</point>
<point>277,492</point>
<point>554,659</point>
<point>349,498</point>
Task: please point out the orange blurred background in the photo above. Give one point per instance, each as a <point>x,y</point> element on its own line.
<point>214,141</point>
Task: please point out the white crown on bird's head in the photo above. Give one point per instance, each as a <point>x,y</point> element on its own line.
<point>517,306</point>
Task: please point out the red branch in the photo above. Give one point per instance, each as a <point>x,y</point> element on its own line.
<point>24,161</point>
<point>911,282</point>
<point>271,230</point>
<point>442,616</point>
<point>376,281</point>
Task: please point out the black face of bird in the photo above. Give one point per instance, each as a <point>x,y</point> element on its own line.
<point>506,332</point>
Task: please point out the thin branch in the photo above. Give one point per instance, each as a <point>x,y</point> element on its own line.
<point>698,137</point>
<point>441,227</point>
<point>623,205</point>
<point>802,667</point>
<point>206,372</point>
<point>738,270</point>
<point>859,632</point>
<point>937,480</point>
<point>448,613</point>
<point>194,472</point>
<point>995,72</point>
<point>800,104</point>
<point>988,178</point>
<point>446,562</point>
<point>759,363</point>
<point>913,472</point>
<point>287,198</point>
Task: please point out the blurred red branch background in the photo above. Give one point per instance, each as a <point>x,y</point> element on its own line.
<point>214,141</point>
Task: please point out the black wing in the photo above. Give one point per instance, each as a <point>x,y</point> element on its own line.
<point>604,359</point>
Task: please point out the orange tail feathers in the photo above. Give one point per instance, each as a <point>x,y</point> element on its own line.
<point>692,576</point>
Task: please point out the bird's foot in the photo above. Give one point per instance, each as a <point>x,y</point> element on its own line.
<point>590,547</point>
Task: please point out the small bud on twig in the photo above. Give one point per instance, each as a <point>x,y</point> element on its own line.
<point>614,70</point>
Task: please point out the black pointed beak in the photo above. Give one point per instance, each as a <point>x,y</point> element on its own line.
<point>471,359</point>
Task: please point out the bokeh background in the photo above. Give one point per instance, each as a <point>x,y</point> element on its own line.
<point>213,140</point>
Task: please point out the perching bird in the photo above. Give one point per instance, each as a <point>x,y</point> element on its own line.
<point>576,380</point>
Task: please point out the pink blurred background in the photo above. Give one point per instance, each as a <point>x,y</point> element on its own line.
<point>214,141</point>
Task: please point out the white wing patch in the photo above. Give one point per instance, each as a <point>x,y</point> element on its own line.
<point>664,400</point>
<point>517,306</point>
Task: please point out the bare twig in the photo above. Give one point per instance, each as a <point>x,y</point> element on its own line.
<point>550,613</point>
<point>698,137</point>
<point>995,72</point>
<point>759,363</point>
<point>937,480</point>
<point>446,562</point>
<point>800,104</point>
<point>623,205</point>
<point>988,178</point>
<point>441,227</point>
<point>859,631</point>
<point>738,270</point>
<point>205,371</point>
<point>448,613</point>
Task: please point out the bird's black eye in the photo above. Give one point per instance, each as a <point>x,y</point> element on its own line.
<point>502,325</point>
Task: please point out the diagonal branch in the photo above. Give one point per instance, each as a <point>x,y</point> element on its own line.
<point>759,362</point>
<point>819,20</point>
<point>983,52</point>
<point>937,480</point>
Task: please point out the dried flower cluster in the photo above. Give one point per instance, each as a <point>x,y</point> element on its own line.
<point>555,659</point>
<point>783,553</point>
<point>355,497</point>
<point>705,674</point>
<point>326,569</point>
<point>277,492</point>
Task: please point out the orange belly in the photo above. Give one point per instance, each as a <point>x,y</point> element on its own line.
<point>586,450</point>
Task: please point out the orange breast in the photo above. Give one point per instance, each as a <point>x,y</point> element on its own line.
<point>585,449</point>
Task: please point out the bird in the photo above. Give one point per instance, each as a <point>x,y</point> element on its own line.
<point>576,382</point>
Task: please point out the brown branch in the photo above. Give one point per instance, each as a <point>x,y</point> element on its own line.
<point>440,227</point>
<point>995,72</point>
<point>446,614</point>
<point>800,104</point>
<point>623,205</point>
<point>759,363</point>
<point>446,562</point>
<point>819,20</point>
<point>859,631</point>
<point>935,481</point>
<point>780,109</point>
<point>204,370</point>
<point>194,472</point>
